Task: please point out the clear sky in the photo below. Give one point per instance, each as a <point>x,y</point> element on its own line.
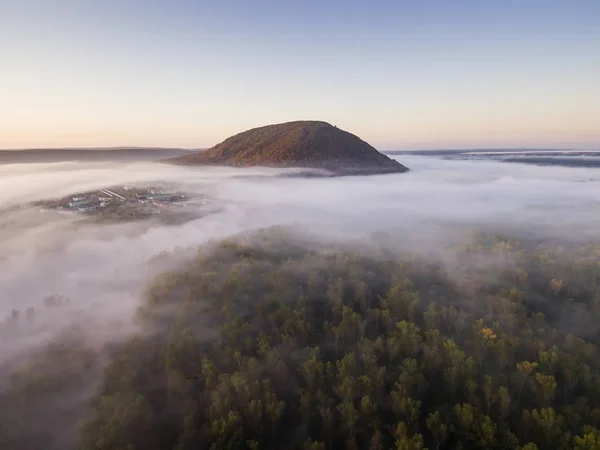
<point>400,74</point>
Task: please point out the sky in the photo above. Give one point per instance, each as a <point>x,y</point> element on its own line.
<point>415,74</point>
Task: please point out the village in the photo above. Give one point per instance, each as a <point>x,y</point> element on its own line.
<point>118,202</point>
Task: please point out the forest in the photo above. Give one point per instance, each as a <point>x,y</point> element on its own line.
<point>278,340</point>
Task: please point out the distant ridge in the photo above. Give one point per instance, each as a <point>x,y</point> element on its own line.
<point>123,154</point>
<point>493,151</point>
<point>303,144</point>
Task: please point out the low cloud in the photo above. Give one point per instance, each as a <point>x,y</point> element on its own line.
<point>43,254</point>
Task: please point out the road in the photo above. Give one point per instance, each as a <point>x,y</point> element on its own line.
<point>112,194</point>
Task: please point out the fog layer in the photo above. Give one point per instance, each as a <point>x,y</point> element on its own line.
<point>42,254</point>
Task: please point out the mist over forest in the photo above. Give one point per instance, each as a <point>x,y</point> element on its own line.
<point>453,306</point>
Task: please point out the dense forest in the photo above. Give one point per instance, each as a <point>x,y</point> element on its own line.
<point>272,340</point>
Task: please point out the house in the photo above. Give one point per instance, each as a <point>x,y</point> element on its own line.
<point>160,197</point>
<point>78,203</point>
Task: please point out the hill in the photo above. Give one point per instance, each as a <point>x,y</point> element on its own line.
<point>307,144</point>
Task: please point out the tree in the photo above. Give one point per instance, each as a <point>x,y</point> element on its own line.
<point>404,441</point>
<point>525,368</point>
<point>464,418</point>
<point>438,428</point>
<point>588,440</point>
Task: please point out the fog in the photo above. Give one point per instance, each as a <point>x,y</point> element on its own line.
<point>43,254</point>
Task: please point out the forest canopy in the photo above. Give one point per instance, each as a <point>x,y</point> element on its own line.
<point>273,340</point>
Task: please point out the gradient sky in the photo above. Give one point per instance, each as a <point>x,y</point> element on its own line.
<point>400,74</point>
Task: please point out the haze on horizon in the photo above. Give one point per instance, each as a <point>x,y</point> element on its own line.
<point>401,75</point>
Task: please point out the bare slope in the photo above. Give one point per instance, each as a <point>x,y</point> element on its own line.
<point>307,144</point>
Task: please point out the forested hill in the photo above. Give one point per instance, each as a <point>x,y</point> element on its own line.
<point>307,144</point>
<point>271,341</point>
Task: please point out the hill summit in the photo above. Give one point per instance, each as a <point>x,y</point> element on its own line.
<point>306,144</point>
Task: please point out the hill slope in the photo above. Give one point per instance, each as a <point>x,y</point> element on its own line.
<point>308,144</point>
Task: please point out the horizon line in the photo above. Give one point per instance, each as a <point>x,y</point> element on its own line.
<point>191,149</point>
